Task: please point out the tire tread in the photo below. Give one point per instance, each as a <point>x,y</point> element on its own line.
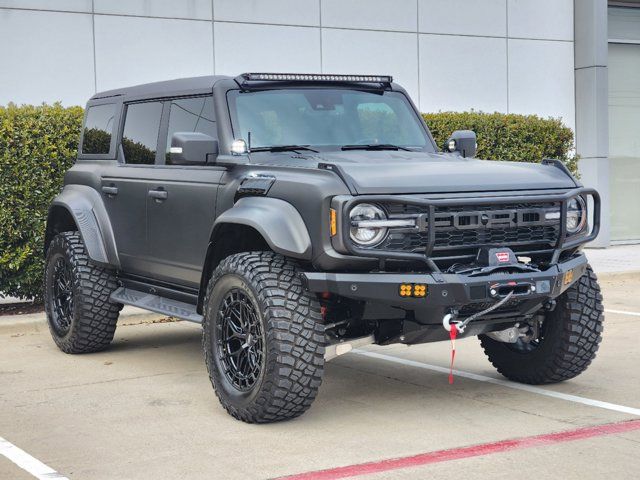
<point>294,337</point>
<point>95,315</point>
<point>581,312</point>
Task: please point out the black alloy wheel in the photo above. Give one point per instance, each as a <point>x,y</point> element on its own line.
<point>240,340</point>
<point>62,296</point>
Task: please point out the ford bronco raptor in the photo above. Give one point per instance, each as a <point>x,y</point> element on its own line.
<point>298,216</point>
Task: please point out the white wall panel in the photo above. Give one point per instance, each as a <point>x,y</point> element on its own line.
<point>45,57</point>
<point>370,14</point>
<point>463,17</point>
<point>541,79</point>
<point>58,5</point>
<point>543,19</point>
<point>287,12</point>
<point>353,51</point>
<point>463,73</point>
<point>248,47</point>
<point>132,50</point>
<point>196,9</point>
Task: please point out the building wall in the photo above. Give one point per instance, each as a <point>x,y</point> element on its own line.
<point>490,55</point>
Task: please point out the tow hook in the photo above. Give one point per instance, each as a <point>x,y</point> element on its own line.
<point>450,319</point>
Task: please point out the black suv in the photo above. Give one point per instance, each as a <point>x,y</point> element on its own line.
<point>297,216</point>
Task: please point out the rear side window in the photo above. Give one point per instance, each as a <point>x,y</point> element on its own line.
<point>190,115</point>
<point>140,135</point>
<point>98,126</point>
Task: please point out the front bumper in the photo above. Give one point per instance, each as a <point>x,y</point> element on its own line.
<point>452,291</point>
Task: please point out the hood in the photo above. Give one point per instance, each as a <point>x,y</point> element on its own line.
<point>400,172</point>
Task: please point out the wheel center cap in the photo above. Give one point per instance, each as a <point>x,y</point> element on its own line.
<point>249,341</point>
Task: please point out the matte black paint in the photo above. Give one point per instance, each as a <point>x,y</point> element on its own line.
<point>157,225</point>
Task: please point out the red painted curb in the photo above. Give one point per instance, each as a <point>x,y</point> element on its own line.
<point>466,452</point>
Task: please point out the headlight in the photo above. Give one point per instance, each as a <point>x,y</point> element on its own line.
<point>363,229</point>
<point>576,215</point>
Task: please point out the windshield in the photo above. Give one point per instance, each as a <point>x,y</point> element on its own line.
<point>321,117</point>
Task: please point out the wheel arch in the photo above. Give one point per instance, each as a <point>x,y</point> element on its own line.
<point>79,207</point>
<point>255,224</point>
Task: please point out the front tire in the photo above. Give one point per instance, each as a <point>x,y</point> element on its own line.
<point>570,337</point>
<point>263,338</point>
<point>81,316</point>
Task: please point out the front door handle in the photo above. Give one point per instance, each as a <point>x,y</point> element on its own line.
<point>110,190</point>
<point>159,195</point>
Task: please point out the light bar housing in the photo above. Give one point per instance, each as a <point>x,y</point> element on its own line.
<point>311,77</point>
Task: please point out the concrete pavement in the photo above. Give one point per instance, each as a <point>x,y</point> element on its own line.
<point>145,409</point>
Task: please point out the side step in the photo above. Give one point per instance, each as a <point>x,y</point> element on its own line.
<point>155,303</point>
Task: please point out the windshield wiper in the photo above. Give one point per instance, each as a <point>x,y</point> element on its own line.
<point>284,148</point>
<point>376,146</point>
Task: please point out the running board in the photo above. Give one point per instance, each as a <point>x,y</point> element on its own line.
<point>156,303</point>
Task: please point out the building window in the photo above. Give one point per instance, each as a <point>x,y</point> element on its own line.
<point>96,138</point>
<point>140,135</point>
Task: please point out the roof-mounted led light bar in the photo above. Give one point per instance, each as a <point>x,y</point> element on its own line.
<point>312,77</point>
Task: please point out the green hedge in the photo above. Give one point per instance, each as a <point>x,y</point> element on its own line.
<point>38,144</point>
<point>520,138</point>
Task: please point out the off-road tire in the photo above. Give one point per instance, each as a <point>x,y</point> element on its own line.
<point>572,334</point>
<point>94,315</point>
<point>293,333</point>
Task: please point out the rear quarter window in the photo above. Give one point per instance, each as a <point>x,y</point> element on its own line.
<point>98,128</point>
<point>140,134</point>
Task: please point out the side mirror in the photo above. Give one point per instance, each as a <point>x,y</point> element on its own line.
<point>462,141</point>
<point>192,148</point>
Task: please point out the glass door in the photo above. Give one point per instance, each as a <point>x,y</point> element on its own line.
<point>624,125</point>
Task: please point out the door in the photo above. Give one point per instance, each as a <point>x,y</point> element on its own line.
<point>624,140</point>
<point>624,123</point>
<point>124,185</point>
<point>181,199</point>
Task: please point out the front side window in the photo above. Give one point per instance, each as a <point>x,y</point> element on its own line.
<point>190,115</point>
<point>325,117</point>
<point>140,134</point>
<point>96,138</point>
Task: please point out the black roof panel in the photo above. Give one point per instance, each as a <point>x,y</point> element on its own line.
<point>167,88</point>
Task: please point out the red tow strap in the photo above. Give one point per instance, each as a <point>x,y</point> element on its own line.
<point>453,333</point>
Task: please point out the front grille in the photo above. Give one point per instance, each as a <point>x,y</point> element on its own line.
<point>460,230</point>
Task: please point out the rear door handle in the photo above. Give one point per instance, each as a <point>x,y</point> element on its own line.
<point>110,190</point>
<point>159,195</point>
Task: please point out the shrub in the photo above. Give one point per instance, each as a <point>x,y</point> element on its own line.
<point>37,145</point>
<point>520,138</point>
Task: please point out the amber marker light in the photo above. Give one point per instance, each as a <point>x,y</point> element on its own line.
<point>405,289</point>
<point>333,225</point>
<point>419,290</point>
<point>568,277</point>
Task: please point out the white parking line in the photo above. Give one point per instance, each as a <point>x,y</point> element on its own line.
<point>622,312</point>
<point>25,461</point>
<point>504,383</point>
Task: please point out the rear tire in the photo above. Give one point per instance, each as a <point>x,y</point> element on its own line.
<point>81,316</point>
<point>571,335</point>
<point>263,338</point>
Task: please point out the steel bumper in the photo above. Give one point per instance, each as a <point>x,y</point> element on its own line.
<point>446,289</point>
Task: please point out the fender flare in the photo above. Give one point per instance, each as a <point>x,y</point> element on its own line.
<point>277,221</point>
<point>87,209</point>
